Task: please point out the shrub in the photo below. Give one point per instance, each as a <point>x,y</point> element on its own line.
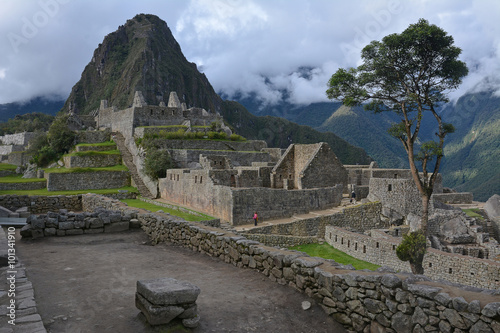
<point>44,156</point>
<point>157,163</point>
<point>412,249</point>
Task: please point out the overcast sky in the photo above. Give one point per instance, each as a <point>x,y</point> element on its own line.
<point>261,46</point>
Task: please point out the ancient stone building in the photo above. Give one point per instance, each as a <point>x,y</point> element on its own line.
<point>308,166</point>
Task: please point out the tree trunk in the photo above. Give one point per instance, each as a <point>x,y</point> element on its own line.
<point>425,215</point>
<point>417,267</point>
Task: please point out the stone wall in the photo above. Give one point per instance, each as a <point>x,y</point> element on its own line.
<point>92,161</point>
<point>380,249</point>
<point>19,158</point>
<point>87,180</point>
<point>23,186</point>
<point>7,149</point>
<point>93,136</point>
<point>358,218</point>
<point>64,223</point>
<point>38,204</point>
<point>454,198</point>
<point>361,301</point>
<point>111,146</point>
<point>246,146</point>
<point>281,240</point>
<point>20,139</point>
<point>183,158</point>
<point>196,189</point>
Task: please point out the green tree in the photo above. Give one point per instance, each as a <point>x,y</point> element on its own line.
<point>60,137</point>
<point>156,163</point>
<point>409,74</point>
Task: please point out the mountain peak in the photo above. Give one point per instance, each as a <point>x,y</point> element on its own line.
<point>141,55</point>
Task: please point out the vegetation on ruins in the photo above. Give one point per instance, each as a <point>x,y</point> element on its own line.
<point>327,251</point>
<point>157,162</point>
<point>29,122</point>
<point>119,167</point>
<point>408,74</point>
<point>49,147</point>
<point>412,249</point>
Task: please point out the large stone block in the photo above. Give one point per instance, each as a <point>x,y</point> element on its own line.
<point>168,291</point>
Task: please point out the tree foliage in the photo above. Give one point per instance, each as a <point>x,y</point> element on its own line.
<point>408,74</point>
<point>412,249</point>
<point>29,122</point>
<point>156,163</point>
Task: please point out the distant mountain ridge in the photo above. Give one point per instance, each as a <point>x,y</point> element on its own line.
<point>472,153</point>
<point>142,55</point>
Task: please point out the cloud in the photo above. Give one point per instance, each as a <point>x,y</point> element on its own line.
<point>243,46</point>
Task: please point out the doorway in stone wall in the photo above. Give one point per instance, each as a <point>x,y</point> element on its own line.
<point>233,181</point>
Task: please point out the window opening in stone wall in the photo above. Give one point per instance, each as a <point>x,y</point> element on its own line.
<point>195,179</point>
<point>348,243</point>
<point>173,113</point>
<point>335,238</point>
<point>395,176</point>
<point>280,177</point>
<point>389,188</point>
<point>151,111</point>
<point>162,112</point>
<point>430,264</point>
<point>472,273</point>
<point>201,179</point>
<point>394,247</point>
<point>450,271</point>
<point>364,248</point>
<point>377,245</point>
<point>355,246</point>
<point>177,177</point>
<point>342,241</point>
<point>330,235</point>
<point>233,181</point>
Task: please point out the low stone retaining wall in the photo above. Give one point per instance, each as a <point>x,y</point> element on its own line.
<point>87,180</point>
<point>358,218</point>
<point>92,161</point>
<point>96,148</point>
<point>380,249</point>
<point>361,301</point>
<point>454,198</point>
<point>97,136</point>
<point>5,173</point>
<point>280,240</point>
<point>23,186</point>
<point>64,223</point>
<point>38,204</point>
<point>19,158</point>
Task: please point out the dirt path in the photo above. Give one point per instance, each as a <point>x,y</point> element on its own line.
<point>87,284</point>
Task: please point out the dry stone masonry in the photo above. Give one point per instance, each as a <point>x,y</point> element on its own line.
<point>165,299</point>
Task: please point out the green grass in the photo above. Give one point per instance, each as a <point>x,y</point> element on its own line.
<point>326,251</point>
<point>165,126</point>
<point>5,166</point>
<point>107,143</point>
<point>154,208</point>
<point>81,170</point>
<point>48,193</point>
<point>473,212</point>
<point>18,179</point>
<point>94,153</point>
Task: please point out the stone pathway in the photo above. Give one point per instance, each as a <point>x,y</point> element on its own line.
<point>24,318</point>
<point>296,217</point>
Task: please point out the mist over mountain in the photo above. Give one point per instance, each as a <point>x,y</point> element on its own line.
<point>472,153</point>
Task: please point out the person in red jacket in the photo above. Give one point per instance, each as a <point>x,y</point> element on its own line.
<point>255,218</point>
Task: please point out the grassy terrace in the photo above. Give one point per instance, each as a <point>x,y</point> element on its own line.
<point>5,166</point>
<point>473,212</point>
<point>81,170</point>
<point>18,179</point>
<point>154,208</point>
<point>326,251</point>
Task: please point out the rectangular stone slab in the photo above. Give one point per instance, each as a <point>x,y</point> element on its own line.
<point>168,291</point>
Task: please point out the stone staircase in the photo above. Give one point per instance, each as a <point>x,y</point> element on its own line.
<point>129,163</point>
